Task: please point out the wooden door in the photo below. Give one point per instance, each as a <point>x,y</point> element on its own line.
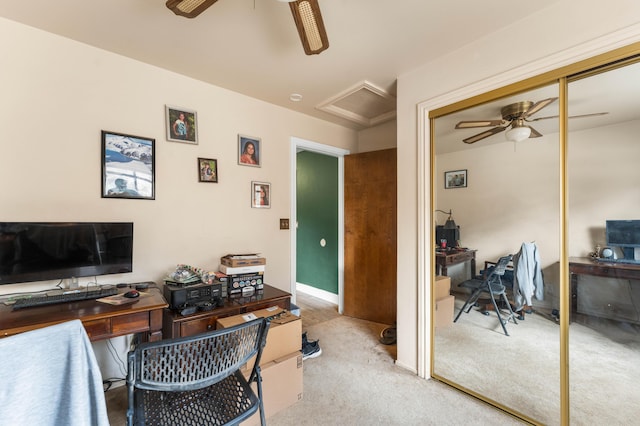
<point>370,236</point>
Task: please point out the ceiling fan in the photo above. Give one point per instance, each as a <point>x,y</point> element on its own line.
<point>514,120</point>
<point>306,15</point>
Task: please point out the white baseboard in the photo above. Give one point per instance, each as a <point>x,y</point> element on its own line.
<point>316,292</point>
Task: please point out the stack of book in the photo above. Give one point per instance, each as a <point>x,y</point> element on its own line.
<point>245,272</point>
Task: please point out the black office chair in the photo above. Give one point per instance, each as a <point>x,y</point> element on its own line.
<point>490,283</point>
<point>197,380</point>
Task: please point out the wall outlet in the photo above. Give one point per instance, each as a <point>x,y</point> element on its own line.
<point>284,223</point>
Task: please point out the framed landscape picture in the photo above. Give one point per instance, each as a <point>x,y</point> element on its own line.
<point>455,179</point>
<point>128,166</point>
<point>182,125</point>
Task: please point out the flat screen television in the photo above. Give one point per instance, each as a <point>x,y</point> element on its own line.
<point>42,251</point>
<point>624,234</point>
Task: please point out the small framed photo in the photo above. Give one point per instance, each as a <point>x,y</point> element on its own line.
<point>207,170</point>
<point>128,166</point>
<point>249,151</point>
<point>455,179</point>
<point>260,195</point>
<point>182,125</point>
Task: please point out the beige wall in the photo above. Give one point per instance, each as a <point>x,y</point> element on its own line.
<point>379,137</point>
<point>560,34</point>
<point>57,97</point>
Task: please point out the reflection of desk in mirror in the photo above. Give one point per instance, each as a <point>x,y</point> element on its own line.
<point>614,295</point>
<point>451,257</point>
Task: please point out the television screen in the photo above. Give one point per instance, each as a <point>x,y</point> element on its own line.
<point>40,251</point>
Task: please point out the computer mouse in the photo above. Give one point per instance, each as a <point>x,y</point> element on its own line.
<point>132,294</point>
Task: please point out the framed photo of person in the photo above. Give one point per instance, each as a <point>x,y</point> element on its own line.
<point>249,153</point>
<point>128,166</point>
<point>207,170</point>
<point>455,179</point>
<point>260,195</point>
<point>182,125</point>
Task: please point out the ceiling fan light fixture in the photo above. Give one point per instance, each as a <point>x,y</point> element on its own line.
<point>306,14</point>
<point>518,133</point>
<point>189,8</point>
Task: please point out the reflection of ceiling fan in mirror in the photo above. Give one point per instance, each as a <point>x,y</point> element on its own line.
<point>514,119</point>
<point>306,15</point>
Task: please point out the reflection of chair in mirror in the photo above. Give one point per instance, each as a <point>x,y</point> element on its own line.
<point>197,379</point>
<point>490,283</point>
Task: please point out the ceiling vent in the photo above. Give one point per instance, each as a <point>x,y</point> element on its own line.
<point>364,104</point>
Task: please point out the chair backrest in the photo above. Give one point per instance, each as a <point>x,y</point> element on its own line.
<point>500,267</point>
<point>195,362</point>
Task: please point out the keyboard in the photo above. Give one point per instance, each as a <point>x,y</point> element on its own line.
<point>51,299</point>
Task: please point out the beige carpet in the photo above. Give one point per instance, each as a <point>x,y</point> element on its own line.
<point>522,371</point>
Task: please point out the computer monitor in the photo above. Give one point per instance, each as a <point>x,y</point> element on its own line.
<point>624,234</point>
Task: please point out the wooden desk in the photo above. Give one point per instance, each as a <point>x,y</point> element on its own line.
<point>448,258</point>
<point>176,325</point>
<point>614,307</point>
<point>101,320</point>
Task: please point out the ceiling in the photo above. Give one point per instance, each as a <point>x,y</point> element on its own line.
<point>252,46</point>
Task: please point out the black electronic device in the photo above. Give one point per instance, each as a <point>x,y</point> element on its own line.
<point>60,296</point>
<point>626,235</point>
<point>180,297</point>
<point>132,294</point>
<point>452,236</point>
<point>41,251</point>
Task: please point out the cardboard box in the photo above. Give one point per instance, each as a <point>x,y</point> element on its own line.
<point>237,270</point>
<point>282,386</point>
<point>230,260</point>
<point>284,336</point>
<point>444,311</point>
<point>441,287</point>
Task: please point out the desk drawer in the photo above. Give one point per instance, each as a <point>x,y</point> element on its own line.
<point>196,326</point>
<point>98,329</point>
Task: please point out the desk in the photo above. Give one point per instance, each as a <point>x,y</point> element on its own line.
<point>610,305</point>
<point>176,325</point>
<point>448,258</point>
<point>101,320</point>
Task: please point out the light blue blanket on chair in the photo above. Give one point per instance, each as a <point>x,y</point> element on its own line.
<point>50,377</point>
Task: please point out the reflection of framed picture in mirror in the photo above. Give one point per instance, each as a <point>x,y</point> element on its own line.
<point>207,170</point>
<point>249,151</point>
<point>455,179</point>
<point>128,166</point>
<point>182,125</point>
<point>260,195</point>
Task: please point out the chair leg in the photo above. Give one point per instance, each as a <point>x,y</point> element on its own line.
<point>473,297</point>
<point>495,306</point>
<point>511,313</point>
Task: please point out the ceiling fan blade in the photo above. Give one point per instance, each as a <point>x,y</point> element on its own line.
<point>189,8</point>
<point>483,135</point>
<point>538,106</point>
<point>308,19</point>
<point>534,133</point>
<point>478,123</point>
<point>595,114</point>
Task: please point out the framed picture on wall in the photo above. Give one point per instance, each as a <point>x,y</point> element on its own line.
<point>249,151</point>
<point>207,170</point>
<point>455,179</point>
<point>260,195</point>
<point>182,125</point>
<point>128,166</point>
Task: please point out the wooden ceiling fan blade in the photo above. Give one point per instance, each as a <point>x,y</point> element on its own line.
<point>478,123</point>
<point>189,8</point>
<point>534,133</point>
<point>595,114</point>
<point>483,135</point>
<point>538,106</point>
<point>308,19</point>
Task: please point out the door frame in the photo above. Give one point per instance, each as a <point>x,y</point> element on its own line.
<point>297,145</point>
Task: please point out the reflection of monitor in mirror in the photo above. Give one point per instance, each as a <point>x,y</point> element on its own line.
<point>451,235</point>
<point>624,234</point>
